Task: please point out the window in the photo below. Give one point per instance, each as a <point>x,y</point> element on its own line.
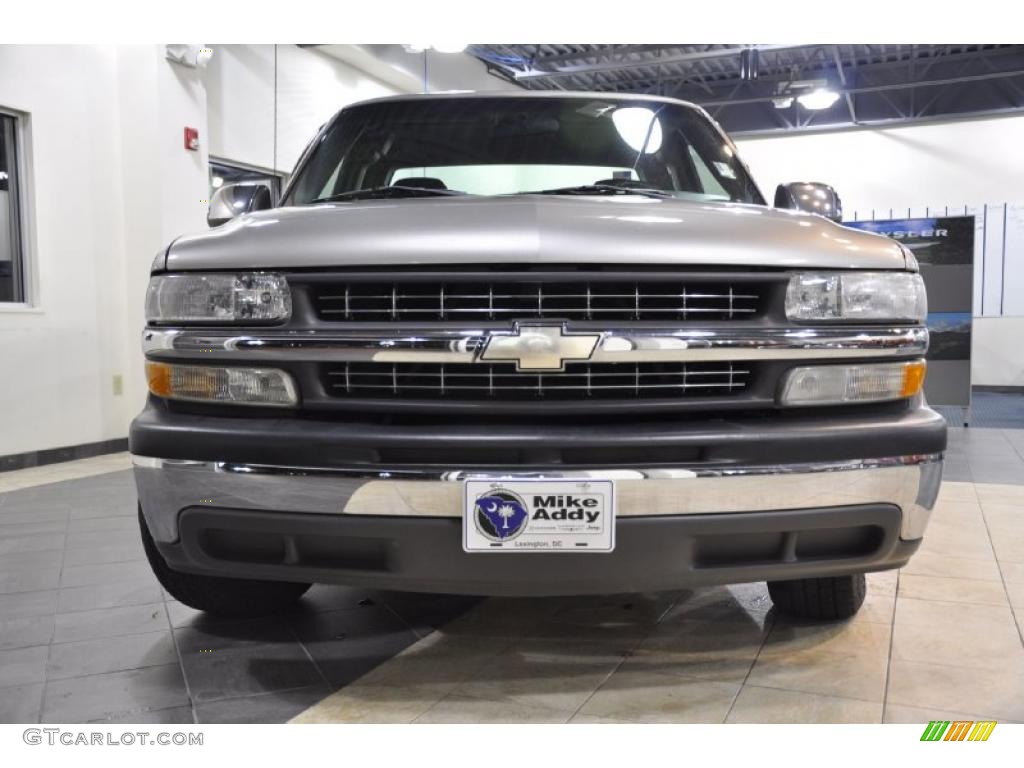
<point>497,179</point>
<point>710,184</point>
<point>222,173</point>
<point>12,263</point>
<point>487,145</point>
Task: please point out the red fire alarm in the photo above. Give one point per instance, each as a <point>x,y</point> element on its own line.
<point>192,139</point>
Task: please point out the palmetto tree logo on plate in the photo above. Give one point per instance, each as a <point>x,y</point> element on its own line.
<point>500,515</point>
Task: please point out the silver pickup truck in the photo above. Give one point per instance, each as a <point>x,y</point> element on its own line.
<point>531,344</point>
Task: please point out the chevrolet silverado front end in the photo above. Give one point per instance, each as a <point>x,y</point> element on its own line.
<point>531,345</point>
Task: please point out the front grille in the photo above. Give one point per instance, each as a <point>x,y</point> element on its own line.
<point>455,301</point>
<point>501,381</point>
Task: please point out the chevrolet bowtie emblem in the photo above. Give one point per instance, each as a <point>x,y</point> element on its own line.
<point>540,347</point>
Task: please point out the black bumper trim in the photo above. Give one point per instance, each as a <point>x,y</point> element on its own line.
<point>780,439</point>
<point>651,554</point>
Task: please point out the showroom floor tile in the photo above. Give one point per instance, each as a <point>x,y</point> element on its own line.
<point>86,633</point>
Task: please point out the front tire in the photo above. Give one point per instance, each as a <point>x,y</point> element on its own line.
<point>830,599</point>
<point>216,594</point>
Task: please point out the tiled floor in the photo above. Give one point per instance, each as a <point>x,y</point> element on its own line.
<point>1001,410</point>
<point>985,455</point>
<point>71,470</point>
<point>86,634</point>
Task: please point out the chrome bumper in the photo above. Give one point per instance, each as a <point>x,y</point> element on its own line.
<point>167,486</point>
<point>388,345</point>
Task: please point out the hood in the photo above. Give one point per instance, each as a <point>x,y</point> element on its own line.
<point>532,229</point>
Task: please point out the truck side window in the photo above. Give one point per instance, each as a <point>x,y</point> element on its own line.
<point>708,181</point>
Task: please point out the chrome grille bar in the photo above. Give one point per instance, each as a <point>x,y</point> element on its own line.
<point>533,298</point>
<point>548,312</point>
<point>547,296</point>
<point>482,381</point>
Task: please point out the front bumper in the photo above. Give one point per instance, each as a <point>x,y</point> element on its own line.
<point>424,554</point>
<point>169,486</point>
<point>775,502</point>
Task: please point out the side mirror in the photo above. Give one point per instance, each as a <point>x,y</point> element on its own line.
<point>810,197</point>
<point>233,200</point>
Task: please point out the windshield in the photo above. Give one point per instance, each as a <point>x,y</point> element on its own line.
<point>501,146</point>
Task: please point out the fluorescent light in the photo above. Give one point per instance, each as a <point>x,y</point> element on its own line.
<point>637,125</point>
<point>819,99</point>
<point>439,47</point>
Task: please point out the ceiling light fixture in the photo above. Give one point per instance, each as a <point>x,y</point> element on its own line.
<point>449,47</point>
<point>439,47</point>
<point>822,98</point>
<point>639,127</point>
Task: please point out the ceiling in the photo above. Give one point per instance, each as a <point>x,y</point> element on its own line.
<point>738,84</point>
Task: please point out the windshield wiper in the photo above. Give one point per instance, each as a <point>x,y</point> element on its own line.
<point>602,189</point>
<point>395,190</point>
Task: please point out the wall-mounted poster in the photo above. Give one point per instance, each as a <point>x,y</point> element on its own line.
<point>944,246</point>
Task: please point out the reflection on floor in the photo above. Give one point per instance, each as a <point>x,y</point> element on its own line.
<point>86,634</point>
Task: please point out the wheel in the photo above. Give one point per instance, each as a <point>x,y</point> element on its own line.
<point>216,594</point>
<point>835,597</point>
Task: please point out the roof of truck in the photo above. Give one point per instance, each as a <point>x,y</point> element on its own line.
<point>525,94</point>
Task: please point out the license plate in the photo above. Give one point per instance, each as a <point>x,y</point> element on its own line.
<point>539,516</point>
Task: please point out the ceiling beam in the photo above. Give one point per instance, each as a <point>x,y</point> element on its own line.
<point>879,85</point>
<point>872,68</point>
<point>601,51</point>
<point>888,121</point>
<point>880,88</point>
<point>837,57</point>
<point>683,58</point>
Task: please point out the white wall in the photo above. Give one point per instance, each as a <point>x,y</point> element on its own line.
<point>928,167</point>
<point>109,183</point>
<point>996,357</point>
<point>240,92</point>
<point>933,164</point>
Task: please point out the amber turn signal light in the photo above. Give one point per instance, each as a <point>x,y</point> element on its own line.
<point>857,383</point>
<point>913,378</point>
<point>158,377</point>
<point>214,384</point>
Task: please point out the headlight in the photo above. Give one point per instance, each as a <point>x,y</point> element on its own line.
<point>856,296</point>
<point>252,297</point>
<point>864,383</point>
<point>210,384</point>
